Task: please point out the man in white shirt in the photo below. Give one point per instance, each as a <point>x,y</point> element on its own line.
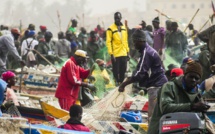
<point>27,45</point>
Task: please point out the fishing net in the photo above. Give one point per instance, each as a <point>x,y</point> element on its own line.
<point>170,60</point>
<point>103,54</point>
<point>13,111</point>
<point>103,80</point>
<point>11,125</point>
<point>108,108</point>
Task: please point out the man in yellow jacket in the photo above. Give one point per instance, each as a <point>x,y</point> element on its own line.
<point>117,45</point>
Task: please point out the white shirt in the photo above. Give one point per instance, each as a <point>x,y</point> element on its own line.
<point>24,45</point>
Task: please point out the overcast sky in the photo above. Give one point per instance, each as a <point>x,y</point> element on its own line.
<point>97,7</point>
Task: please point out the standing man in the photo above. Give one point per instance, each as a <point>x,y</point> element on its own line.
<point>73,26</point>
<point>71,79</point>
<point>63,48</point>
<point>159,34</point>
<point>42,32</point>
<point>177,43</point>
<point>7,45</point>
<point>149,72</point>
<point>46,47</point>
<point>26,47</point>
<point>117,45</point>
<point>193,34</point>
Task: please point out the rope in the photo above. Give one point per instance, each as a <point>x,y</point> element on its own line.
<point>115,100</point>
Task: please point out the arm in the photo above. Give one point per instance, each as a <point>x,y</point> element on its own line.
<point>109,41</point>
<point>162,33</point>
<point>56,49</point>
<point>84,73</point>
<point>71,74</point>
<point>126,41</point>
<point>23,46</point>
<point>167,101</point>
<point>184,43</point>
<point>9,42</point>
<point>139,74</point>
<point>69,49</point>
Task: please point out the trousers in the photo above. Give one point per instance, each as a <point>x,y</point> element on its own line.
<point>119,68</point>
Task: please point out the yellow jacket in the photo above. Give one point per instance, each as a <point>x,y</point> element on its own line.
<point>117,44</point>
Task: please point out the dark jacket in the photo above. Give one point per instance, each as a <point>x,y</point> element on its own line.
<point>173,98</point>
<point>149,71</point>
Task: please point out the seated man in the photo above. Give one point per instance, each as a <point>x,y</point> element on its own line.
<point>180,95</point>
<point>74,123</point>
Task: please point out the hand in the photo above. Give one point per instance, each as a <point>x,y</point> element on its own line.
<point>200,107</point>
<point>160,52</point>
<point>128,57</point>
<point>91,78</point>
<point>126,23</point>
<point>83,84</point>
<point>92,87</point>
<point>6,106</point>
<point>121,88</point>
<point>113,58</point>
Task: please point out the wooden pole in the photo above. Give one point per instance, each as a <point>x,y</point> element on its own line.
<point>45,59</point>
<point>191,20</point>
<point>204,25</point>
<point>59,20</point>
<point>20,82</point>
<point>161,13</point>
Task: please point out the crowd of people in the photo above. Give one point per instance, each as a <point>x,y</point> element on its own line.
<point>172,89</point>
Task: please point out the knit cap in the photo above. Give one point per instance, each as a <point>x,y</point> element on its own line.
<point>156,20</point>
<point>139,35</point>
<point>194,67</point>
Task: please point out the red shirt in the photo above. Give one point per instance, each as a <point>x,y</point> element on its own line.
<point>77,127</point>
<point>70,79</point>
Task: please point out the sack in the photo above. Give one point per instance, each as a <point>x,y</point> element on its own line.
<point>87,97</point>
<point>209,125</point>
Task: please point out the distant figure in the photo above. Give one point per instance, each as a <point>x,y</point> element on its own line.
<point>42,32</point>
<point>47,49</point>
<point>175,72</point>
<point>95,43</point>
<point>143,24</point>
<point>117,45</point>
<point>99,30</point>
<point>193,34</point>
<point>82,38</point>
<point>73,26</point>
<point>74,123</point>
<point>62,48</point>
<point>7,45</point>
<point>27,45</point>
<point>177,43</point>
<point>159,35</point>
